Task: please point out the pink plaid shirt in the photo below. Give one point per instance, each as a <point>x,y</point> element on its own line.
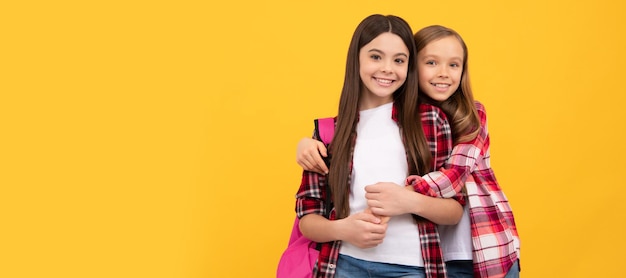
<point>492,224</point>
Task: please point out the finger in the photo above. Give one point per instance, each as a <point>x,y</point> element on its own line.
<point>378,231</point>
<point>322,149</point>
<point>369,217</point>
<point>321,165</point>
<point>315,159</point>
<point>306,165</point>
<point>318,170</point>
<point>304,160</point>
<point>384,219</point>
<point>301,162</point>
<point>372,188</point>
<point>313,165</point>
<point>321,171</point>
<point>307,154</point>
<point>410,180</point>
<point>378,212</point>
<point>370,196</point>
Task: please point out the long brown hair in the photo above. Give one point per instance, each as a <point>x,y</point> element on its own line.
<point>459,107</point>
<point>405,102</point>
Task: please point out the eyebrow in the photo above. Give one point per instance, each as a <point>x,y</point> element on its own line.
<point>430,56</point>
<point>379,51</point>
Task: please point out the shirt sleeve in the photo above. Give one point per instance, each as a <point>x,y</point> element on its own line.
<point>449,181</point>
<point>312,193</point>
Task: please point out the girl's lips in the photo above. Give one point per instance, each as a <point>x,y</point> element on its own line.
<point>441,87</point>
<point>383,82</point>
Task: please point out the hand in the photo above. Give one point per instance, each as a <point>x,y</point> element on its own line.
<point>363,229</point>
<point>383,219</point>
<point>389,199</point>
<point>309,155</point>
<point>413,179</point>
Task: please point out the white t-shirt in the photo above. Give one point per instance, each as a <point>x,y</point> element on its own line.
<point>456,240</point>
<point>379,156</point>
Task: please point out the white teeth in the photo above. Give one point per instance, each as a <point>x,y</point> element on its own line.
<point>384,81</point>
<point>441,85</point>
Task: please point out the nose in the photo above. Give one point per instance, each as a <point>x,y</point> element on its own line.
<point>387,66</point>
<point>443,71</point>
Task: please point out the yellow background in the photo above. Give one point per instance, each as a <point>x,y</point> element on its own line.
<point>157,138</point>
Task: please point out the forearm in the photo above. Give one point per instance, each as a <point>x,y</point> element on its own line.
<point>319,229</point>
<point>438,210</point>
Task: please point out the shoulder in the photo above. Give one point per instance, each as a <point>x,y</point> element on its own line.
<point>479,106</point>
<point>482,111</point>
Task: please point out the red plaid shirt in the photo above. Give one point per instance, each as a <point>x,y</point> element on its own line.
<point>493,228</point>
<point>312,193</point>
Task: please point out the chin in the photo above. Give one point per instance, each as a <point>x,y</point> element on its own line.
<point>438,98</point>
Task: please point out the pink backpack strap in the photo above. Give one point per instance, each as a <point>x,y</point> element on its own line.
<point>326,129</point>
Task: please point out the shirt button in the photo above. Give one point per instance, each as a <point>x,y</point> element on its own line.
<point>331,266</point>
